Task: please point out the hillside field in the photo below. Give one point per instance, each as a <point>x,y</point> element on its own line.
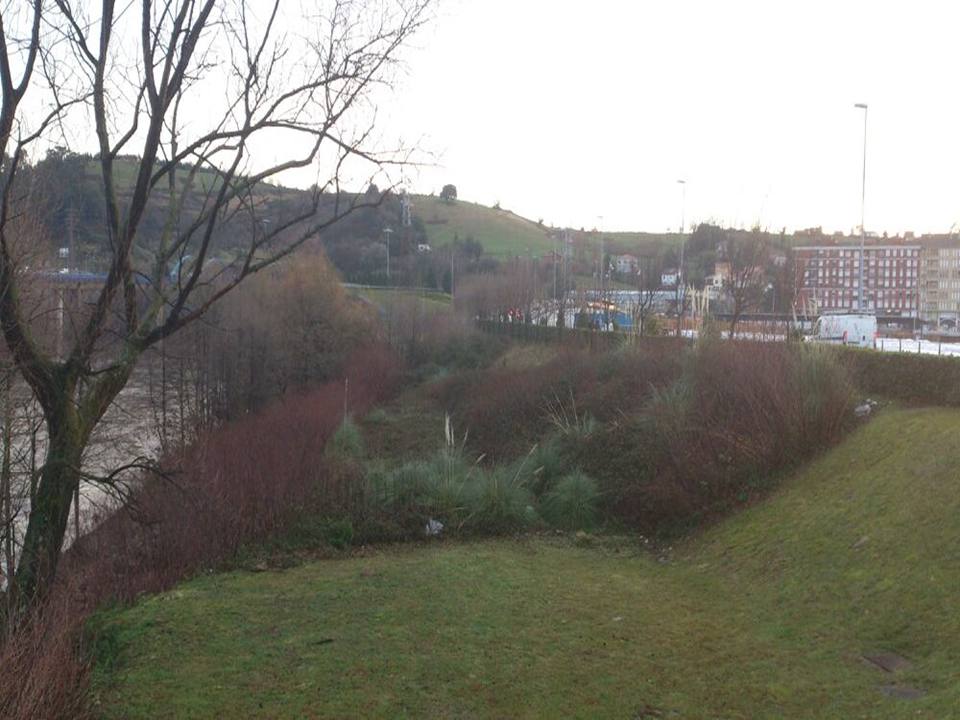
<point>500,232</point>
<point>767,615</point>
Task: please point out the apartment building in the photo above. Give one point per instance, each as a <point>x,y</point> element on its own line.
<point>828,279</point>
<point>940,285</point>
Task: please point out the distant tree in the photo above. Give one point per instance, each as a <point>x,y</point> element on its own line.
<point>746,255</point>
<point>786,285</point>
<point>286,328</point>
<point>647,281</point>
<point>704,245</point>
<point>449,193</point>
<point>472,248</point>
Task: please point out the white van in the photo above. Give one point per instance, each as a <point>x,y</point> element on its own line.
<point>857,329</point>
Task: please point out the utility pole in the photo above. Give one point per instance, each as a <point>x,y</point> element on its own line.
<point>600,266</point>
<point>600,230</point>
<point>386,241</point>
<point>556,246</point>
<point>863,203</point>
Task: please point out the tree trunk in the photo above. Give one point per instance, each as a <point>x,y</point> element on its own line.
<point>6,485</point>
<point>735,320</point>
<point>50,511</point>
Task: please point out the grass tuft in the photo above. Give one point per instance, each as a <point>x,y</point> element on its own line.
<point>347,441</point>
<point>573,504</point>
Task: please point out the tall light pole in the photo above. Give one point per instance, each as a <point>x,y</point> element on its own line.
<point>683,223</point>
<point>600,267</point>
<point>863,203</point>
<point>681,291</point>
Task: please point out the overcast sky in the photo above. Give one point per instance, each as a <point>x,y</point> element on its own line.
<point>568,110</point>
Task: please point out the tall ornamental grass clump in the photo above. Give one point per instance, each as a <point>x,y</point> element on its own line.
<point>499,502</point>
<point>347,441</point>
<point>543,466</point>
<point>573,504</point>
<point>448,488</point>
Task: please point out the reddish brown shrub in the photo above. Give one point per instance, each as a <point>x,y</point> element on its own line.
<point>739,413</point>
<point>626,378</point>
<point>504,410</point>
<point>46,676</point>
<point>239,484</point>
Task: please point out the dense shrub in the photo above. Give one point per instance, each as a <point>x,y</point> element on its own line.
<point>450,489</point>
<point>347,441</point>
<point>287,328</point>
<point>338,532</point>
<point>46,664</point>
<point>507,410</point>
<point>737,414</point>
<point>504,409</point>
<point>626,461</point>
<point>626,378</point>
<point>429,337</point>
<point>407,497</point>
<point>908,378</point>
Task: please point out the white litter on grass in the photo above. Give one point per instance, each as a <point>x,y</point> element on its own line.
<point>433,528</point>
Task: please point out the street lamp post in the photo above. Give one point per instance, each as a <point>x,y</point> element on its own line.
<point>863,202</point>
<point>681,291</point>
<point>600,266</point>
<point>387,232</point>
<point>683,223</point>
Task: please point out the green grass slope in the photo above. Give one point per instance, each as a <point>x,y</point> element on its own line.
<point>431,300</point>
<point>500,232</point>
<point>764,616</point>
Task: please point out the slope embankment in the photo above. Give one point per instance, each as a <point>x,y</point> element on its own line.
<point>770,613</point>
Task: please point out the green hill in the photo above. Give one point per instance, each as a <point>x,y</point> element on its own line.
<point>506,234</point>
<point>74,196</point>
<point>501,232</point>
<point>767,615</point>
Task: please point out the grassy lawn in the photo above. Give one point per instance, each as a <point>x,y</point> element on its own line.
<point>410,428</point>
<point>764,616</point>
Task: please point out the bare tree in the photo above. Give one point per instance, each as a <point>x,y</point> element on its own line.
<point>212,99</point>
<point>647,283</point>
<point>745,283</point>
